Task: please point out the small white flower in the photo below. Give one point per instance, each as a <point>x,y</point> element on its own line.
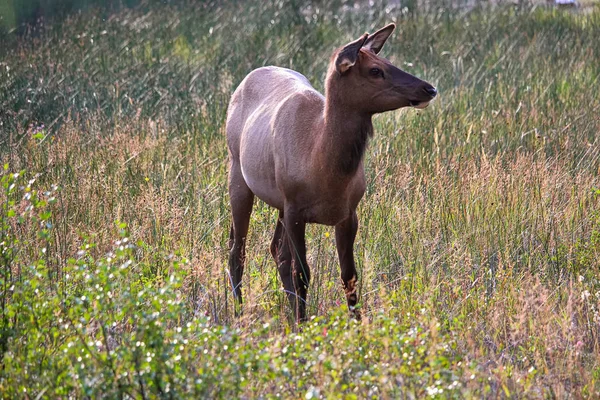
<point>585,294</point>
<point>312,393</point>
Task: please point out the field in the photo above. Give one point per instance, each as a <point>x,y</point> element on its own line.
<point>479,240</point>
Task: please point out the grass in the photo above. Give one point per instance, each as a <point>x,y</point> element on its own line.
<point>479,233</point>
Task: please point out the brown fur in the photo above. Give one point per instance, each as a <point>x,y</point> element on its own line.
<point>301,152</point>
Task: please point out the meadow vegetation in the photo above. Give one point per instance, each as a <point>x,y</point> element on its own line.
<point>479,244</point>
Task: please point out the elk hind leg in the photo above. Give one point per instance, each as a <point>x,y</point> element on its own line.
<point>296,270</point>
<point>280,251</point>
<point>241,198</point>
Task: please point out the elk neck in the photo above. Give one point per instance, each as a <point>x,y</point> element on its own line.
<point>345,135</point>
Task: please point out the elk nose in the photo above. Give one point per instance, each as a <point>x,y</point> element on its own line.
<point>431,91</point>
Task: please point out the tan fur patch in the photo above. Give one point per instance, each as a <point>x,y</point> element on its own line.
<point>350,287</point>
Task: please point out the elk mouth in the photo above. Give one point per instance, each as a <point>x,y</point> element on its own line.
<point>419,104</point>
<point>431,93</point>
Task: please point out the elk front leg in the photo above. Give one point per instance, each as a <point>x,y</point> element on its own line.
<point>345,233</point>
<point>295,228</point>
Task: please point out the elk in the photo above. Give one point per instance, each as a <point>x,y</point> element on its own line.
<point>302,153</point>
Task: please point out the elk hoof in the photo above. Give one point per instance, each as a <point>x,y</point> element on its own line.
<point>355,313</point>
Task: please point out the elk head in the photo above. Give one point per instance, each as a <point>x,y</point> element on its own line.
<point>361,80</point>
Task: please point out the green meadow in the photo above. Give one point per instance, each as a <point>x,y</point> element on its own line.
<point>479,240</point>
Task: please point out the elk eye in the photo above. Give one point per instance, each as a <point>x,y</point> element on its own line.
<point>376,72</point>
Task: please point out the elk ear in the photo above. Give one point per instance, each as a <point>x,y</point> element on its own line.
<point>348,55</point>
<point>376,40</point>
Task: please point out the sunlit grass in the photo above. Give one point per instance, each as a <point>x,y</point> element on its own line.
<point>479,233</point>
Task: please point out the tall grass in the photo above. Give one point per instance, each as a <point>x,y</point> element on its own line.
<point>479,232</point>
